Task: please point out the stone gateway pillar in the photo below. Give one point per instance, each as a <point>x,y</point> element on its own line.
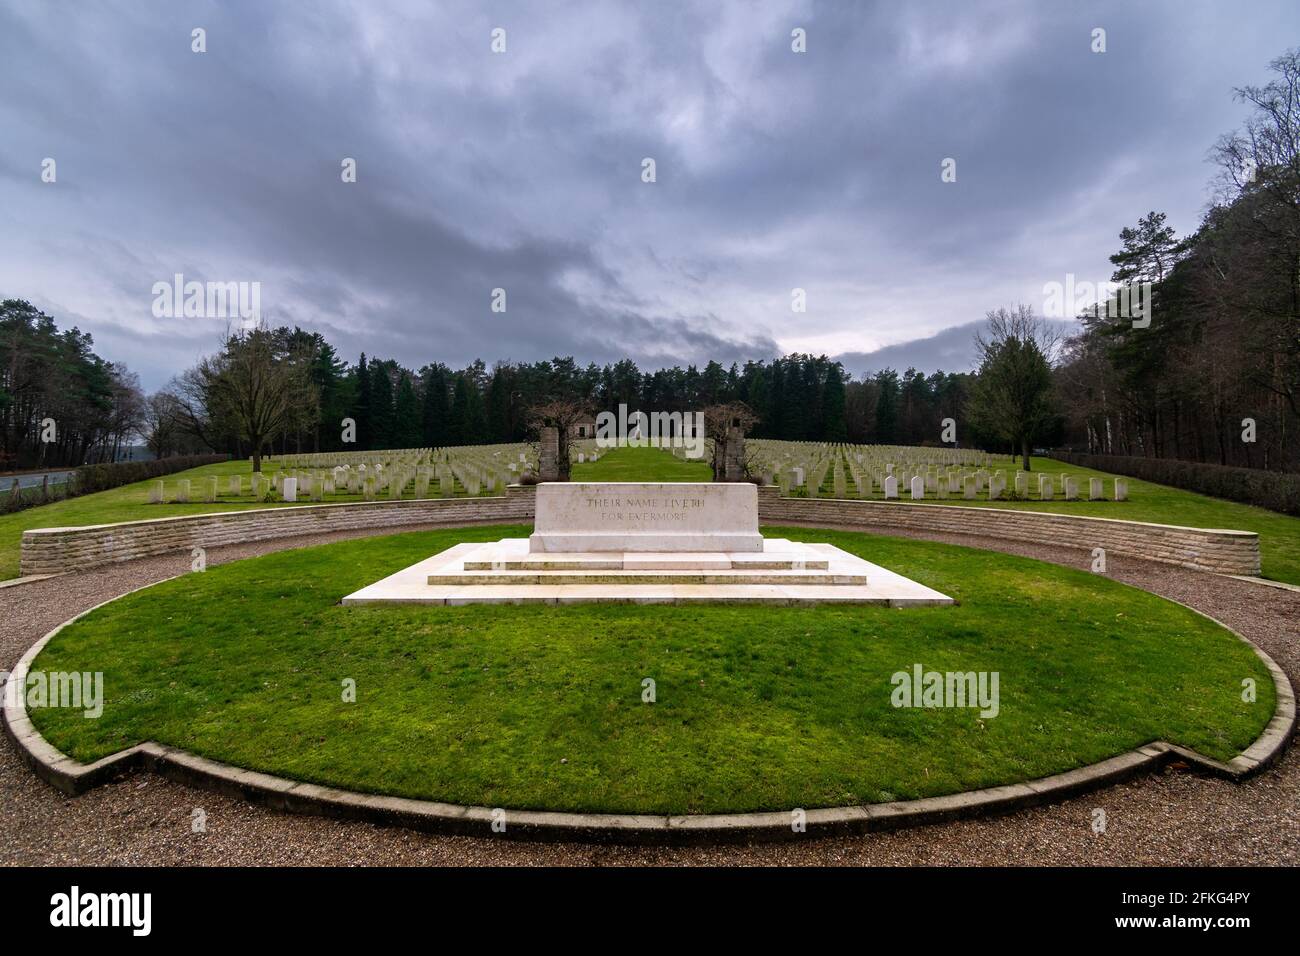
<point>548,455</point>
<point>733,455</point>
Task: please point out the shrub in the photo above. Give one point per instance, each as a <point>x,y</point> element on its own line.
<point>1276,491</point>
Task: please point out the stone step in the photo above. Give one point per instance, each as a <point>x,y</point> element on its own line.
<point>429,582</point>
<point>781,597</point>
<point>776,563</point>
<point>767,562</point>
<point>512,578</point>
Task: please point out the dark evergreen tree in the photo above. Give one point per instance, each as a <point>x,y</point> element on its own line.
<point>361,407</point>
<point>436,418</point>
<point>833,424</point>
<point>407,428</point>
<point>382,416</point>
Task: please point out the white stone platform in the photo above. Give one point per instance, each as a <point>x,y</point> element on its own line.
<point>510,572</point>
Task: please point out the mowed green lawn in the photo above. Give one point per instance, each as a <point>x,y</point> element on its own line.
<point>641,464</point>
<point>1279,534</point>
<point>757,708</point>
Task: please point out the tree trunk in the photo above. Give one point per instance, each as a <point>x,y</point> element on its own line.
<point>1024,451</point>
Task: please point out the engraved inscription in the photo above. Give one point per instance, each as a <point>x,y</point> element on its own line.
<point>644,511</point>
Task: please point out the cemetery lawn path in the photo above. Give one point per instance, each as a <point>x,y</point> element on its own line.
<point>641,464</point>
<point>755,708</point>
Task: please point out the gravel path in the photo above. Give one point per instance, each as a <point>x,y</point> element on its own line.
<point>1173,818</point>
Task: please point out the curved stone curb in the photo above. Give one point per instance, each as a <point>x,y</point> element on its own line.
<point>74,778</point>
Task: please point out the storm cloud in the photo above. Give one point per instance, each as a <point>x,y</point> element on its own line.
<point>522,170</point>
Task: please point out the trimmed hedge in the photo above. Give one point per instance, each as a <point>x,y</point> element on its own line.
<point>91,478</point>
<point>1274,490</point>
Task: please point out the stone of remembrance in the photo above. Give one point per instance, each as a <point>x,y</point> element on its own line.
<point>652,543</point>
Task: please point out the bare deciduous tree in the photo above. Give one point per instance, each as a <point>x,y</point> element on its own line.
<point>718,422</point>
<point>562,415</point>
<point>1013,396</point>
<point>254,386</point>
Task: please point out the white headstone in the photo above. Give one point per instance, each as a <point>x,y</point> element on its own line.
<point>1044,488</point>
<point>918,488</point>
<point>1095,491</point>
<point>289,489</point>
<point>891,486</point>
<point>1121,489</point>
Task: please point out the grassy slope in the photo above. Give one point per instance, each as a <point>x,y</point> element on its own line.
<point>757,708</point>
<point>131,503</point>
<point>641,464</point>
<point>1279,534</point>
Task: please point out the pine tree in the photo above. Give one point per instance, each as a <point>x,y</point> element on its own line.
<point>361,406</point>
<point>887,406</point>
<point>407,425</point>
<point>436,416</point>
<point>381,405</point>
<point>833,426</point>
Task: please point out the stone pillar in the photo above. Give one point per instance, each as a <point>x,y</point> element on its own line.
<point>733,456</point>
<point>548,457</point>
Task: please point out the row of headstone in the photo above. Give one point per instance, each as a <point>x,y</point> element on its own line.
<point>997,486</point>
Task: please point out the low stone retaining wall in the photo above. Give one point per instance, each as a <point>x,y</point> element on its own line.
<point>56,550</point>
<point>1220,551</point>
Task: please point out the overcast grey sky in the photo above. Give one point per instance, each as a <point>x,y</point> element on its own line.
<point>522,170</point>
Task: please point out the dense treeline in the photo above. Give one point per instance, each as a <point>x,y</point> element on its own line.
<point>798,397</point>
<point>97,406</point>
<point>1215,377</point>
<point>889,409</point>
<point>60,403</point>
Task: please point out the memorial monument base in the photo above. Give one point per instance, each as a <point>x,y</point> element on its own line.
<point>508,572</point>
<point>653,543</point>
<point>646,544</point>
